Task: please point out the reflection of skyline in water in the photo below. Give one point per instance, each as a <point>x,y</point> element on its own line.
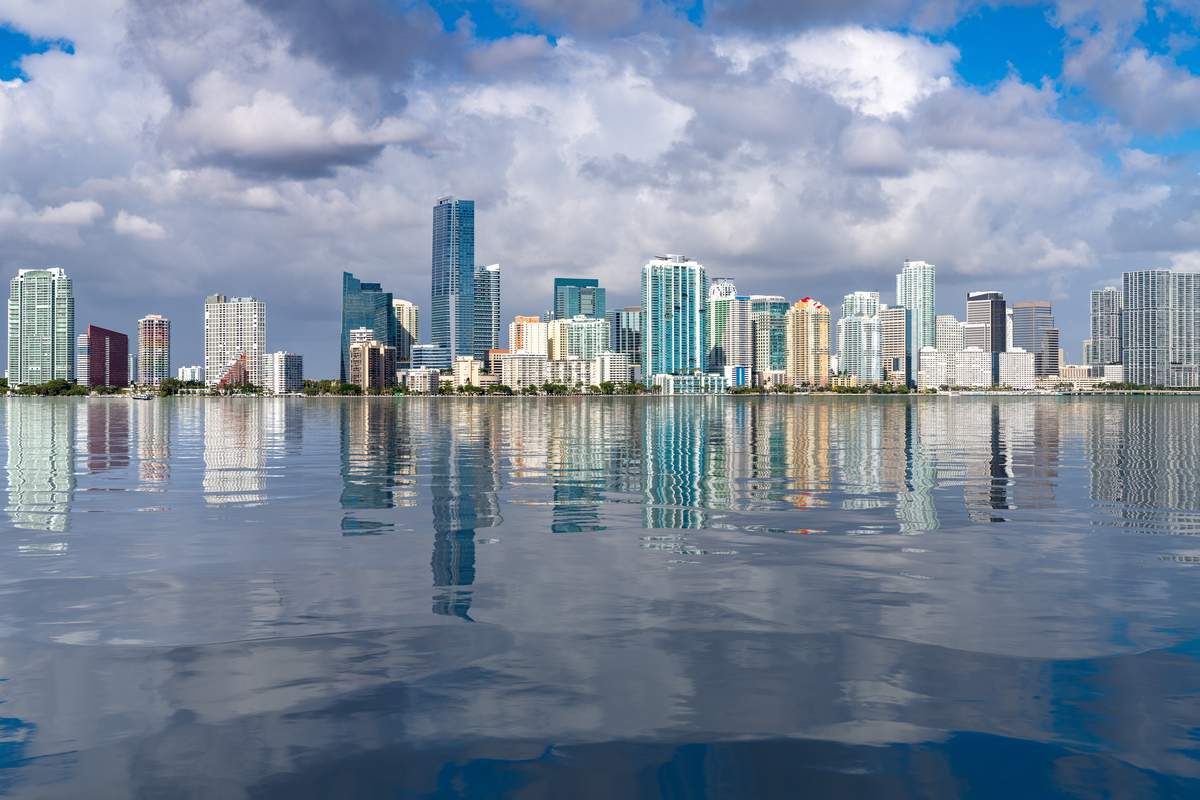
<point>154,442</point>
<point>41,463</point>
<point>233,451</point>
<point>377,464</point>
<point>105,434</point>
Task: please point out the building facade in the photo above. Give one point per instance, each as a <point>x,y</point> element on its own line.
<point>625,332</point>
<point>452,307</point>
<point>408,329</point>
<point>102,358</point>
<point>1035,333</point>
<point>235,340</point>
<point>520,370</point>
<point>860,338</point>
<point>916,290</point>
<point>529,334</point>
<point>487,311</point>
<point>896,345</point>
<point>579,337</point>
<point>193,374</point>
<point>365,305</point>
<point>283,373</point>
<point>154,350</point>
<point>578,296</point>
<point>730,327</point>
<point>768,321</point>
<point>989,310</point>
<point>807,331</point>
<point>372,365</point>
<point>1160,328</point>
<point>974,368</point>
<point>674,317</point>
<point>1018,369</point>
<point>41,327</point>
<point>1104,319</point>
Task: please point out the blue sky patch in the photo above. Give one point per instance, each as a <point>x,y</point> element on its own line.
<point>15,45</point>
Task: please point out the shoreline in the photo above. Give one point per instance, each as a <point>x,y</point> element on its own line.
<point>646,396</point>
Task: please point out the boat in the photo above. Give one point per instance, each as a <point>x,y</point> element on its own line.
<point>143,397</point>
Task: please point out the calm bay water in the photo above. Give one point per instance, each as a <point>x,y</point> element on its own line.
<point>608,597</point>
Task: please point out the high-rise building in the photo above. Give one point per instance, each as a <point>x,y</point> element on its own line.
<point>372,364</point>
<point>949,342</point>
<point>575,296</point>
<point>154,350</point>
<point>916,290</point>
<point>730,330</point>
<point>102,358</point>
<point>580,337</point>
<point>235,340</point>
<point>1105,327</point>
<point>487,312</point>
<point>768,317</point>
<point>860,340</point>
<point>807,343</point>
<point>283,372</point>
<point>896,345</point>
<point>1034,332</point>
<point>625,333</point>
<point>365,305</point>
<point>529,334</point>
<point>1017,369</point>
<point>193,374</point>
<point>452,311</point>
<point>674,317</point>
<point>41,327</point>
<point>408,329</point>
<point>990,310</point>
<point>1160,327</point>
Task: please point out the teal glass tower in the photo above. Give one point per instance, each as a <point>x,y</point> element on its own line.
<point>578,296</point>
<point>365,305</point>
<point>452,310</point>
<point>674,318</point>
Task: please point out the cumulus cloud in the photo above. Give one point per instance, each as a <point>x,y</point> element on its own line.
<point>128,224</point>
<point>74,213</point>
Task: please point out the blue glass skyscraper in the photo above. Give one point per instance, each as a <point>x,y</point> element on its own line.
<point>452,315</point>
<point>365,305</point>
<point>575,296</point>
<point>674,317</point>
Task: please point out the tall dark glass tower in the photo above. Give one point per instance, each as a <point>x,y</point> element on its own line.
<point>365,305</point>
<point>452,315</point>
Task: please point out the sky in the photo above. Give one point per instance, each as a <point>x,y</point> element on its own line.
<point>161,151</point>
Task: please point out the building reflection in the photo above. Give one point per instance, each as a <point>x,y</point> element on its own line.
<point>676,493</point>
<point>41,463</point>
<point>154,442</point>
<point>578,463</point>
<point>233,451</point>
<point>377,463</point>
<point>105,434</point>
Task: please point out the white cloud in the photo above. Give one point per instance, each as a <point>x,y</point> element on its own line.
<point>74,213</point>
<point>128,224</point>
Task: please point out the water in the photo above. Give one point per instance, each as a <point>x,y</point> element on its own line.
<point>645,597</point>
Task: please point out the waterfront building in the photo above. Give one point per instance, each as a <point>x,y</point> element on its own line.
<point>916,290</point>
<point>430,356</point>
<point>1160,327</point>
<point>768,321</point>
<point>696,383</point>
<point>487,311</point>
<point>572,372</point>
<point>625,332</point>
<point>1018,369</point>
<point>807,335</point>
<point>193,374</point>
<point>372,364</point>
<point>154,350</point>
<point>578,296</point>
<point>422,380</point>
<point>949,342</point>
<point>860,341</point>
<point>896,345</point>
<point>468,371</point>
<point>990,310</point>
<point>283,372</point>
<point>41,327</point>
<point>611,367</point>
<point>974,368</point>
<point>932,369</point>
<point>235,340</point>
<point>1105,326</point>
<point>452,310</point>
<point>408,328</point>
<point>102,358</point>
<point>674,319</point>
<point>521,370</point>
<point>1034,331</point>
<point>529,334</point>
<point>578,337</point>
<point>730,331</point>
<point>365,305</point>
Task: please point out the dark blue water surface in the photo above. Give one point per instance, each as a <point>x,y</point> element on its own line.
<point>608,597</point>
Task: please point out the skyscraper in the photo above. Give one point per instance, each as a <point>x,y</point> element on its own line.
<point>365,305</point>
<point>730,335</point>
<point>41,327</point>
<point>949,341</point>
<point>860,338</point>
<point>452,311</point>
<point>102,358</point>
<point>625,333</point>
<point>575,296</point>
<point>1160,327</point>
<point>988,309</point>
<point>674,317</point>
<point>581,337</point>
<point>916,290</point>
<point>487,311</point>
<point>1105,319</point>
<point>808,343</point>
<point>154,350</point>
<point>283,372</point>
<point>897,332</point>
<point>1034,331</point>
<point>235,340</point>
<point>768,320</point>
<point>408,328</point>
<point>528,334</point>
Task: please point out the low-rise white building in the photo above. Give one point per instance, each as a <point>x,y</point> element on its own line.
<point>195,373</point>
<point>696,383</point>
<point>468,371</point>
<point>423,380</point>
<point>973,368</point>
<point>932,369</point>
<point>612,368</point>
<point>283,372</point>
<point>1016,369</point>
<point>571,372</point>
<point>520,370</point>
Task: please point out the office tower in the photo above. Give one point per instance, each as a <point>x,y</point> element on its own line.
<point>1008,328</point>
<point>154,350</point>
<point>674,317</point>
<point>235,340</point>
<point>807,335</point>
<point>452,311</point>
<point>581,337</point>
<point>575,296</point>
<point>916,290</point>
<point>1034,331</point>
<point>1160,327</point>
<point>283,372</point>
<point>768,318</point>
<point>896,345</point>
<point>430,356</point>
<point>987,309</point>
<point>41,327</point>
<point>194,374</point>
<point>529,334</point>
<point>408,329</point>
<point>102,358</point>
<point>365,305</point>
<point>372,364</point>
<point>860,341</point>
<point>487,311</point>
<point>730,330</point>
<point>1105,327</point>
<point>625,333</point>
<point>949,341</point>
<point>933,369</point>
